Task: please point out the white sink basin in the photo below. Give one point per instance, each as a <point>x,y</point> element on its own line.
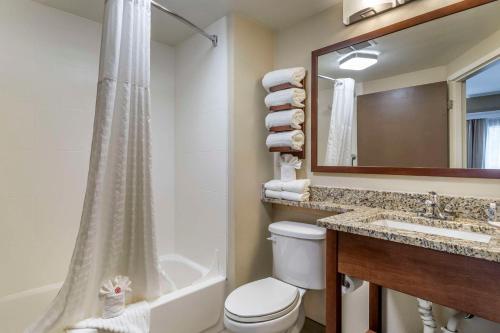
<point>465,235</point>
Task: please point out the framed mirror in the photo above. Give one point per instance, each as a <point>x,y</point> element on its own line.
<point>420,97</point>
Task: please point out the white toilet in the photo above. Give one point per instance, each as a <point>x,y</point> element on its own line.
<point>274,304</point>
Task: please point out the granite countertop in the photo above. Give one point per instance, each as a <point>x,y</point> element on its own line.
<point>357,220</point>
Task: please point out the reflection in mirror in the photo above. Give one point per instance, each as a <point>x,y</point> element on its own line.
<point>427,96</point>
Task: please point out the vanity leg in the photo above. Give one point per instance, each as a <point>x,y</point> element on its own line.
<point>375,309</point>
<point>333,285</point>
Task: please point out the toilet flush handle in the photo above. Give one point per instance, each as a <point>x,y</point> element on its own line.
<point>272,238</point>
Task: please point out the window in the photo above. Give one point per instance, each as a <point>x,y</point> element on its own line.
<point>492,151</point>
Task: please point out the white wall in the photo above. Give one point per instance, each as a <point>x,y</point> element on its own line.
<point>201,140</point>
<point>294,46</point>
<point>48,79</point>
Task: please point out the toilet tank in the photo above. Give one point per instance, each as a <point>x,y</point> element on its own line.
<point>299,254</point>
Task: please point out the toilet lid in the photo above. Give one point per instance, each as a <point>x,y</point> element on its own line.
<point>261,300</point>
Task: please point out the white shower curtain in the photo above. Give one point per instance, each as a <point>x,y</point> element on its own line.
<point>339,144</point>
<point>116,235</point>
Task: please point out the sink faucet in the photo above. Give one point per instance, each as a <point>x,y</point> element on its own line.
<point>433,210</point>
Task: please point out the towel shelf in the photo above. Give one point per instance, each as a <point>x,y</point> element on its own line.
<point>301,154</point>
<point>283,128</point>
<point>286,150</point>
<point>283,107</point>
<point>282,87</point>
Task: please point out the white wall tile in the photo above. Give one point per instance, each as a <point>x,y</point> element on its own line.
<point>48,83</point>
<point>201,128</point>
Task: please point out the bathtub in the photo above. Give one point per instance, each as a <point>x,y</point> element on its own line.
<point>195,306</point>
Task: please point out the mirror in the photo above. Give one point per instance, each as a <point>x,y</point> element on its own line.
<point>422,100</point>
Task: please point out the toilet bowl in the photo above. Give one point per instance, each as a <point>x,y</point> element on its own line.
<point>275,304</point>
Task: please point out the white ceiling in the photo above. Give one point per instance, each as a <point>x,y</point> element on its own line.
<point>487,82</point>
<point>428,45</point>
<point>276,14</point>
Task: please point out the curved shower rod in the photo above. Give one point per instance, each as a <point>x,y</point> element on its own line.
<point>162,8</point>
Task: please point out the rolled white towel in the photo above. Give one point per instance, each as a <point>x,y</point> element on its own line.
<point>294,76</point>
<point>293,139</point>
<point>290,196</point>
<point>293,96</point>
<point>291,118</point>
<point>297,186</point>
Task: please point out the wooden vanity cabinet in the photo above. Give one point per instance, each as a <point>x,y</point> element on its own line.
<point>467,284</point>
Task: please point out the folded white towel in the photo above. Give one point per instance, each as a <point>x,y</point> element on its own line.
<point>274,185</point>
<point>294,76</point>
<point>273,194</point>
<point>135,319</point>
<point>293,139</point>
<point>291,118</point>
<point>293,96</point>
<point>290,196</point>
<point>297,186</point>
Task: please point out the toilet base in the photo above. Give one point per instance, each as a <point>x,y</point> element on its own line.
<point>297,327</point>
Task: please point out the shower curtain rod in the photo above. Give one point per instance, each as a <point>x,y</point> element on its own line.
<point>326,77</point>
<point>213,38</point>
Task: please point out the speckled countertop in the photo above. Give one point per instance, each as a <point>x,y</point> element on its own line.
<point>356,219</point>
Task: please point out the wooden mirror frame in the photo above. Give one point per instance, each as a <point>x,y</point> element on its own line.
<point>414,21</point>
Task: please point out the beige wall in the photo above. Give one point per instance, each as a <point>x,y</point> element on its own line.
<point>326,28</point>
<point>293,48</point>
<point>251,55</point>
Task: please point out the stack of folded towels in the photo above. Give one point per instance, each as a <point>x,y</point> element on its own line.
<point>294,116</point>
<point>293,190</point>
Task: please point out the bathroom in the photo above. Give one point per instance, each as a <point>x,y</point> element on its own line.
<point>209,154</point>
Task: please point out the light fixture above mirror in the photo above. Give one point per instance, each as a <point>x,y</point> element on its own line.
<point>358,61</point>
<point>357,10</point>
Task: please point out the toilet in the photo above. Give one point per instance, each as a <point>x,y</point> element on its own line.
<point>274,304</point>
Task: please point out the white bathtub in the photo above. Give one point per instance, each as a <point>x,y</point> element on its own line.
<point>196,305</point>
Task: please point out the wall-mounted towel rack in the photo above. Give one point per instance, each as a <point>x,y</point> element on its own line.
<point>287,150</point>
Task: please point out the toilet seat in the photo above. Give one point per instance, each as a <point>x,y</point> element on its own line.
<point>261,301</point>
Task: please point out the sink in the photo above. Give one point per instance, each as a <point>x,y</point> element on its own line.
<point>464,235</point>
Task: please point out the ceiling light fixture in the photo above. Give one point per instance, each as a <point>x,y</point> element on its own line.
<point>358,61</point>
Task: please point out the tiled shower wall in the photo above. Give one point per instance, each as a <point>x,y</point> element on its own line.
<point>201,141</point>
<point>48,76</point>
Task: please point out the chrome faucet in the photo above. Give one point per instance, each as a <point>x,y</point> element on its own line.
<point>433,210</point>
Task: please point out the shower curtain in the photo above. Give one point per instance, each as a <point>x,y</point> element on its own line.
<point>338,149</point>
<point>116,235</point>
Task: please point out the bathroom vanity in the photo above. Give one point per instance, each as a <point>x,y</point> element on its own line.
<point>379,237</point>
<point>458,273</point>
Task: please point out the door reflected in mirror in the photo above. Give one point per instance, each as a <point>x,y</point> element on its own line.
<point>424,97</point>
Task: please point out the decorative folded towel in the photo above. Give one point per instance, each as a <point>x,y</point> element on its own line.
<point>293,96</point>
<point>135,319</point>
<point>288,166</point>
<point>294,76</point>
<point>290,196</point>
<point>296,186</point>
<point>293,139</point>
<point>291,118</point>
